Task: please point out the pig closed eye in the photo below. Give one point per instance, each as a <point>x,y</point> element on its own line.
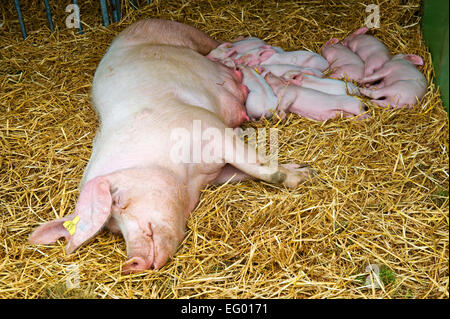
<point>376,82</point>
<point>149,232</point>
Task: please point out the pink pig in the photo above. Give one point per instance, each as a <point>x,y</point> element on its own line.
<point>228,52</point>
<point>402,84</point>
<point>223,54</point>
<point>248,44</point>
<point>235,49</point>
<point>344,63</point>
<point>287,71</point>
<point>310,103</point>
<point>369,49</point>
<point>329,86</point>
<point>269,55</point>
<point>301,58</point>
<point>153,82</point>
<point>256,56</point>
<point>260,98</point>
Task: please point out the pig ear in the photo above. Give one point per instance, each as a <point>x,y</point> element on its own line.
<point>331,42</point>
<point>414,59</point>
<point>362,30</point>
<point>265,54</point>
<point>273,80</point>
<point>91,213</point>
<point>297,79</point>
<point>231,52</point>
<point>226,45</point>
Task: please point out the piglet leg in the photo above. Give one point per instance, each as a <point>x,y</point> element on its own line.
<point>376,76</point>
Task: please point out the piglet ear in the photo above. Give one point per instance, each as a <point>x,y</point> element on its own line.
<point>274,82</point>
<point>91,213</point>
<point>331,42</point>
<point>414,59</point>
<point>265,54</point>
<point>231,52</point>
<point>226,45</point>
<point>297,79</point>
<point>362,30</point>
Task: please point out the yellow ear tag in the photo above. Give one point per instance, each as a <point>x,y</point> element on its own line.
<point>256,70</point>
<point>71,225</point>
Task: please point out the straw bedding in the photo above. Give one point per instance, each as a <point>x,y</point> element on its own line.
<point>380,197</point>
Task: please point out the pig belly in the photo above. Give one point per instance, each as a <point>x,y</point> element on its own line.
<point>129,79</point>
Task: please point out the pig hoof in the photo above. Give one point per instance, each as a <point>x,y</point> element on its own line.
<point>297,174</point>
<point>281,114</point>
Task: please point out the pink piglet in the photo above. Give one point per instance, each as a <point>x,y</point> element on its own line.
<point>371,50</point>
<point>344,63</point>
<point>310,103</point>
<point>400,82</point>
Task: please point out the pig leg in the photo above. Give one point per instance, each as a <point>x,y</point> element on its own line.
<point>349,72</point>
<point>376,76</point>
<point>246,159</point>
<point>231,174</point>
<point>383,97</point>
<point>374,94</point>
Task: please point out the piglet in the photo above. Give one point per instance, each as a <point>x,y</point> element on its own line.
<point>223,54</point>
<point>268,55</point>
<point>329,86</point>
<point>236,49</point>
<point>344,63</point>
<point>245,45</point>
<point>287,71</point>
<point>401,84</point>
<point>371,50</point>
<point>256,56</point>
<point>260,98</point>
<point>228,52</point>
<point>310,103</point>
<point>301,58</point>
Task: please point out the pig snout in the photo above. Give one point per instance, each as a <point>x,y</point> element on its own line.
<point>136,264</point>
<point>149,247</point>
<point>150,219</point>
<point>140,249</point>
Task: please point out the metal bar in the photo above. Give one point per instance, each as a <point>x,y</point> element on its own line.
<point>104,9</point>
<point>22,24</point>
<point>80,28</point>
<point>133,4</point>
<point>49,15</point>
<point>118,10</point>
<point>112,3</point>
